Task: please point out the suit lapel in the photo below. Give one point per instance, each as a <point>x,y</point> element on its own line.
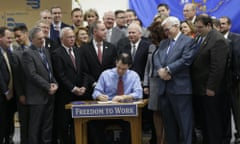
<point>3,61</point>
<point>113,35</point>
<point>93,51</point>
<point>202,46</point>
<point>138,49</point>
<point>177,45</point>
<point>105,47</point>
<point>37,55</point>
<point>67,57</point>
<point>77,58</point>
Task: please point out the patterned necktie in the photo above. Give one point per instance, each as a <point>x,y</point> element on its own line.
<point>199,43</point>
<point>108,35</point>
<point>133,51</point>
<point>170,48</point>
<point>45,62</point>
<point>72,57</point>
<point>120,88</point>
<point>56,28</point>
<point>99,52</point>
<point>10,83</point>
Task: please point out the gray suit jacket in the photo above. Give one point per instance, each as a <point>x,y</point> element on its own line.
<point>116,36</point>
<point>178,61</point>
<point>37,76</point>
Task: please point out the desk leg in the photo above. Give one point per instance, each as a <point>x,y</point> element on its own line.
<point>78,127</point>
<point>136,130</point>
<point>85,131</point>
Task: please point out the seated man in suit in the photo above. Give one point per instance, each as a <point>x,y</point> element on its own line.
<point>117,84</point>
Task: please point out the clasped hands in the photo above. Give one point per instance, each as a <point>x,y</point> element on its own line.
<point>164,74</point>
<point>79,91</point>
<point>53,88</point>
<point>117,98</point>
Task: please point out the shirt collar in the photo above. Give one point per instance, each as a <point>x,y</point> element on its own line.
<point>116,74</point>
<point>95,43</point>
<point>136,44</point>
<point>226,35</point>
<point>177,36</point>
<point>59,24</point>
<point>66,48</point>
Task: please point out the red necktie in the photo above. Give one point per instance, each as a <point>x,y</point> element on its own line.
<point>72,57</point>
<point>120,89</point>
<point>99,52</point>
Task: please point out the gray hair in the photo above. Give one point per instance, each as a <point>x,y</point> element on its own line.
<point>171,20</point>
<point>45,11</point>
<point>42,22</point>
<point>33,32</point>
<point>134,25</point>
<point>63,31</point>
<point>191,5</point>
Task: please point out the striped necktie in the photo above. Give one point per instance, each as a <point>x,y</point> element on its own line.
<point>10,83</point>
<point>45,62</point>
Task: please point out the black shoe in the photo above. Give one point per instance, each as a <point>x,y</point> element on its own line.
<point>237,141</point>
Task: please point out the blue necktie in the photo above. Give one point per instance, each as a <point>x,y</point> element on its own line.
<point>171,45</point>
<point>198,43</point>
<point>45,62</point>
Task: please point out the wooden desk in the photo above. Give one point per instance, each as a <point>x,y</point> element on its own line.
<point>80,125</point>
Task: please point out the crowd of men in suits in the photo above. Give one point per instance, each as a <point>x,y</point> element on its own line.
<point>195,79</point>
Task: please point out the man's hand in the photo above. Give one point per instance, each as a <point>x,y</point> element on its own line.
<point>9,95</point>
<point>76,91</point>
<point>210,92</point>
<point>163,74</point>
<point>118,98</point>
<point>82,90</point>
<point>122,98</point>
<point>102,98</point>
<point>22,99</point>
<point>146,91</point>
<point>53,88</point>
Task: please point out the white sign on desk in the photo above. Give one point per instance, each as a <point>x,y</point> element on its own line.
<point>106,110</point>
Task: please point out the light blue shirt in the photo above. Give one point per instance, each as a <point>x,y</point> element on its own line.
<point>108,81</point>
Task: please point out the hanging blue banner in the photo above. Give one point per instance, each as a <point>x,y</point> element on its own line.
<point>147,9</point>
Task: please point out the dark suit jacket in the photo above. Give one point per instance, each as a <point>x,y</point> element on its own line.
<point>95,68</point>
<point>18,81</point>
<point>51,45</point>
<point>37,76</point>
<point>54,35</point>
<point>179,60</point>
<point>67,76</point>
<point>208,68</point>
<point>140,56</point>
<point>235,53</point>
<point>5,75</point>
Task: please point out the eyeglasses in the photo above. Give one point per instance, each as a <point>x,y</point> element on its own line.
<point>199,27</point>
<point>47,17</point>
<point>168,29</point>
<point>121,17</point>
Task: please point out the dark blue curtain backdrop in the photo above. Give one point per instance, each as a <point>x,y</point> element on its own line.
<point>147,9</point>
